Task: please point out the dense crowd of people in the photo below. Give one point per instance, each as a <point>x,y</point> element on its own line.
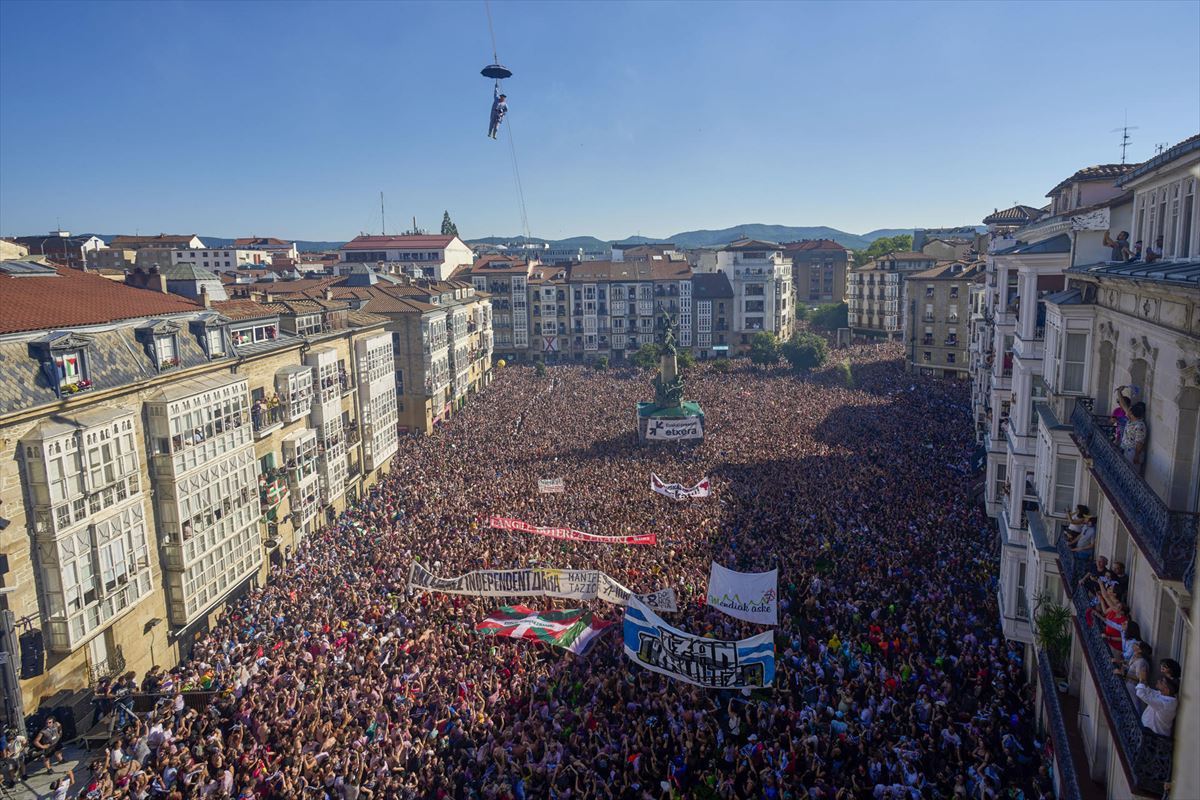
<point>893,679</point>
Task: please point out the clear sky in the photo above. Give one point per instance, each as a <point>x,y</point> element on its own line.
<point>288,118</point>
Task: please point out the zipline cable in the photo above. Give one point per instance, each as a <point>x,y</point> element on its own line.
<point>512,146</point>
<point>488,8</point>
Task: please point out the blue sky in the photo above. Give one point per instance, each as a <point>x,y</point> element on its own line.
<point>287,119</point>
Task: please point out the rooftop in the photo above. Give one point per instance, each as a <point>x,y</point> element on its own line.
<point>67,298</point>
<point>1015,215</point>
<point>628,271</point>
<point>752,244</point>
<point>261,241</point>
<point>161,238</point>
<point>1189,145</point>
<point>1055,244</point>
<point>711,286</point>
<point>1186,273</point>
<point>812,244</point>
<point>1099,172</point>
<point>237,310</point>
<point>958,270</point>
<point>187,271</point>
<point>907,255</point>
<point>422,242</point>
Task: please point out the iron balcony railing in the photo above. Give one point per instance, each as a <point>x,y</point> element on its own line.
<point>1067,779</point>
<point>1146,754</point>
<point>108,668</point>
<point>1167,538</point>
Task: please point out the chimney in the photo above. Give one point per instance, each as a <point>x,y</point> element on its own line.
<point>328,293</point>
<point>205,300</point>
<point>268,297</point>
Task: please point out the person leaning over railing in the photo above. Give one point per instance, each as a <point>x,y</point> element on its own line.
<point>1161,705</point>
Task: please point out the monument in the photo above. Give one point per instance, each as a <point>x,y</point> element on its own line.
<point>669,418</point>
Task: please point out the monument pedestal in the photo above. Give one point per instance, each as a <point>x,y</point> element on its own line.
<point>681,423</point>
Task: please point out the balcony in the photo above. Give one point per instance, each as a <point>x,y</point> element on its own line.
<point>1145,754</point>
<point>1067,779</point>
<point>266,418</point>
<point>1167,538</point>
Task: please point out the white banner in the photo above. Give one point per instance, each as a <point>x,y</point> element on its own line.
<point>550,485</point>
<point>677,491</point>
<point>674,429</point>
<point>576,584</point>
<point>752,596</point>
<point>653,644</point>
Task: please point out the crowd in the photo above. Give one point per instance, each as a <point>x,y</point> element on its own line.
<point>893,680</point>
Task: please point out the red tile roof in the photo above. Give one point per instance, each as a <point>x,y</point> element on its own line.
<point>261,241</point>
<point>589,271</point>
<point>34,303</point>
<point>243,309</point>
<point>1100,172</point>
<point>398,242</point>
<point>162,238</point>
<point>813,244</point>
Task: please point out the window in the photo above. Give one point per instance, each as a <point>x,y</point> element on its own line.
<point>70,368</point>
<point>953,292</point>
<point>1064,484</point>
<point>1074,356</point>
<point>1022,601</point>
<point>927,356</point>
<point>164,348</point>
<point>214,342</point>
<point>949,358</point>
<point>929,290</point>
<point>1001,480</point>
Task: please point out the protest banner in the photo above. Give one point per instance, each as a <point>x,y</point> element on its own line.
<point>712,663</point>
<point>677,491</point>
<point>675,429</point>
<point>551,485</point>
<point>509,524</point>
<point>576,584</point>
<point>572,629</point>
<point>752,596</point>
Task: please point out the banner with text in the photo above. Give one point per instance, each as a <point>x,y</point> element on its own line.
<point>712,663</point>
<point>509,524</point>
<point>677,491</point>
<point>576,584</point>
<point>571,629</point>
<point>550,486</point>
<point>675,429</point>
<point>752,596</point>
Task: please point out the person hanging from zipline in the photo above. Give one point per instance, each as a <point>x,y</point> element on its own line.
<point>499,109</point>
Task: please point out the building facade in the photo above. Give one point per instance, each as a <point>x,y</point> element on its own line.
<point>1070,327</point>
<point>432,257</point>
<point>936,303</point>
<point>222,258</point>
<point>761,278</point>
<point>159,459</point>
<point>818,271</point>
<point>874,293</point>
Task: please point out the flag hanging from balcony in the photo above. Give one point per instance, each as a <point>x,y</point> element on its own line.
<point>677,491</point>
<point>572,629</point>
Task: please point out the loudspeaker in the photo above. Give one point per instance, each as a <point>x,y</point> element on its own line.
<point>73,710</point>
<point>33,654</point>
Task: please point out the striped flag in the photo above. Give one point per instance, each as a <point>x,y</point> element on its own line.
<point>572,629</point>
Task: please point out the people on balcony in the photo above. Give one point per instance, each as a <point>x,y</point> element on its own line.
<point>1134,435</point>
<point>1119,247</point>
<point>1083,543</point>
<point>1161,705</point>
<point>1136,668</point>
<point>1155,251</point>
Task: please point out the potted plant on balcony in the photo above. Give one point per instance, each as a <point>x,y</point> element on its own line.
<point>1052,631</point>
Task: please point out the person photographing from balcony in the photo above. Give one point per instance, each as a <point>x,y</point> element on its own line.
<point>1155,251</point>
<point>1133,437</point>
<point>1119,247</point>
<point>1085,545</point>
<point>1161,705</point>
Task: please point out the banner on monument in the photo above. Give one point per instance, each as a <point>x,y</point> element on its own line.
<point>752,596</point>
<point>677,491</point>
<point>509,524</point>
<point>573,629</point>
<point>575,584</point>
<point>550,486</point>
<point>675,429</point>
<point>711,663</point>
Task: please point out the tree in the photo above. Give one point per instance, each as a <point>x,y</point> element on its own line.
<point>801,312</point>
<point>448,227</point>
<point>646,356</point>
<point>805,351</point>
<point>685,359</point>
<point>764,348</point>
<point>883,246</point>
<point>830,317</point>
<point>539,368</point>
<point>600,363</point>
<point>721,365</point>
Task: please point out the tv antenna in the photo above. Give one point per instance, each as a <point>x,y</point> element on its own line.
<point>1125,138</point>
<point>1160,147</point>
<point>382,217</point>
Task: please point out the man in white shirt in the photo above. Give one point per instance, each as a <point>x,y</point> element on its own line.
<point>1161,705</point>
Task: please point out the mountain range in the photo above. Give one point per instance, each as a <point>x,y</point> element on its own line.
<point>716,238</point>
<point>685,239</point>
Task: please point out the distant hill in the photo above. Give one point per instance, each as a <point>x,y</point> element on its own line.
<point>770,233</point>
<point>882,232</point>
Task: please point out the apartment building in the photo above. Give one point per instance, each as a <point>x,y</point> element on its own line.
<point>874,293</point>
<point>157,457</point>
<point>818,271</point>
<point>937,302</point>
<point>276,248</point>
<point>423,256</point>
<point>506,280</point>
<point>61,247</point>
<point>713,298</point>
<point>222,258</point>
<point>161,241</point>
<point>763,300</point>
<point>1072,326</point>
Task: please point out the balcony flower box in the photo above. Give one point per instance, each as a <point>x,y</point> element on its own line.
<point>81,385</point>
<point>169,363</point>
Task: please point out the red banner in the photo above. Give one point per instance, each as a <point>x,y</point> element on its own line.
<point>508,524</point>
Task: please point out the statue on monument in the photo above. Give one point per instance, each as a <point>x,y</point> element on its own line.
<point>668,384</point>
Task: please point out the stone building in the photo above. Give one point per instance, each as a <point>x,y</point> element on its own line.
<point>818,271</point>
<point>936,303</point>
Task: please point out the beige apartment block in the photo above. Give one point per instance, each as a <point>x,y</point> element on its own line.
<point>937,307</point>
